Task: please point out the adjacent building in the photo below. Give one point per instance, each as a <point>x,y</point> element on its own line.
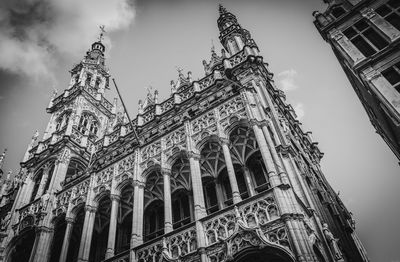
<point>219,171</point>
<point>365,37</point>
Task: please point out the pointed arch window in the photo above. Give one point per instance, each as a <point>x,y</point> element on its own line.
<point>154,220</point>
<point>88,79</point>
<point>88,125</point>
<point>74,169</point>
<point>63,120</point>
<point>210,195</point>
<point>180,208</point>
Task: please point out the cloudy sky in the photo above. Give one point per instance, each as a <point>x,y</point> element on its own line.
<point>41,40</point>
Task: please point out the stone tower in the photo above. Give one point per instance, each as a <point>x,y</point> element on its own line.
<point>365,37</point>
<point>221,171</point>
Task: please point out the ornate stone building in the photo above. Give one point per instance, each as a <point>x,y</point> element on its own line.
<point>365,37</point>
<point>219,171</point>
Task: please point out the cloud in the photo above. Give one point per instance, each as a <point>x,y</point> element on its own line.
<point>299,109</point>
<point>287,80</point>
<point>34,33</point>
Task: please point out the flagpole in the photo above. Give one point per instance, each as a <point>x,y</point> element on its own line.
<point>126,112</point>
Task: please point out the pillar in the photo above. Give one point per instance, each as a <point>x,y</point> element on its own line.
<point>41,247</point>
<point>236,198</point>
<point>249,183</point>
<point>220,195</point>
<point>112,229</point>
<point>87,232</point>
<point>347,48</point>
<point>67,238</point>
<point>266,155</point>
<point>197,187</point>
<point>167,200</point>
<point>137,217</point>
<point>381,24</point>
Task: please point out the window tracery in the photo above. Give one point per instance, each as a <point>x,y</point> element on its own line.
<point>88,125</point>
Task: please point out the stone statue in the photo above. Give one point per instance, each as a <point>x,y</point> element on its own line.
<point>5,221</point>
<point>332,241</point>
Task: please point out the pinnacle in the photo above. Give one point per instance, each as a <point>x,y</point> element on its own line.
<point>222,9</point>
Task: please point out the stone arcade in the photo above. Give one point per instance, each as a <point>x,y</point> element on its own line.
<point>221,171</point>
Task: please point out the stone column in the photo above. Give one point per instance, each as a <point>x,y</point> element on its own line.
<point>167,200</point>
<point>41,247</point>
<point>197,187</point>
<point>266,155</point>
<point>231,172</point>
<point>220,195</point>
<point>384,91</point>
<point>380,23</point>
<point>137,217</point>
<point>67,237</point>
<point>347,48</point>
<point>87,232</point>
<point>248,180</point>
<point>112,229</point>
<point>60,170</point>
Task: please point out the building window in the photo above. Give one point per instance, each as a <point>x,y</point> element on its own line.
<point>75,168</point>
<point>180,209</point>
<point>365,38</point>
<point>88,125</point>
<point>154,220</point>
<point>338,11</point>
<point>392,75</point>
<point>390,12</point>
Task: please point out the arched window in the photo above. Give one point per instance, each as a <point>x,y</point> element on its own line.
<point>210,195</point>
<point>180,209</point>
<point>257,168</point>
<point>97,83</point>
<point>88,125</point>
<point>37,178</point>
<point>88,79</point>
<point>241,182</point>
<point>226,186</point>
<point>75,168</point>
<point>63,120</point>
<point>154,220</point>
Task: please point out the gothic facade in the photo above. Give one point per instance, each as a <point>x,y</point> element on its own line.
<point>219,171</point>
<point>365,37</point>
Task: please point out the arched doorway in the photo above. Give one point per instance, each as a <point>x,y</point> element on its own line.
<point>60,226</point>
<point>76,235</point>
<point>22,249</point>
<point>98,246</point>
<point>269,254</point>
<point>124,227</point>
<point>153,217</point>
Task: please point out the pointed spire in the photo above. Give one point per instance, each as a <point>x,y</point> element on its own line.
<point>222,9</point>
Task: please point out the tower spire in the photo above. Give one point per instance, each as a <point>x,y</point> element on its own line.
<point>222,9</point>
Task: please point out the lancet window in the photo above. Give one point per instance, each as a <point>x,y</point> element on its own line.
<point>88,125</point>
<point>75,168</point>
<point>153,206</point>
<point>63,120</point>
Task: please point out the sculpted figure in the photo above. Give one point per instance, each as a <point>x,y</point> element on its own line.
<point>332,241</point>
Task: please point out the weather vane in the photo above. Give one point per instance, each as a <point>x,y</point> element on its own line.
<point>102,32</point>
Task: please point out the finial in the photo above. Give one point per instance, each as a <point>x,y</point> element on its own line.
<point>35,135</point>
<point>2,156</point>
<point>102,32</point>
<point>222,10</point>
<point>179,69</point>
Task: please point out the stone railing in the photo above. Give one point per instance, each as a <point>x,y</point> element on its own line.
<point>178,245</point>
<point>258,214</point>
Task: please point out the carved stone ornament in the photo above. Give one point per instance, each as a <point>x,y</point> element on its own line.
<point>336,34</point>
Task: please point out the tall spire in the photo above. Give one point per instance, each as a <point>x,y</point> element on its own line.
<point>232,36</point>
